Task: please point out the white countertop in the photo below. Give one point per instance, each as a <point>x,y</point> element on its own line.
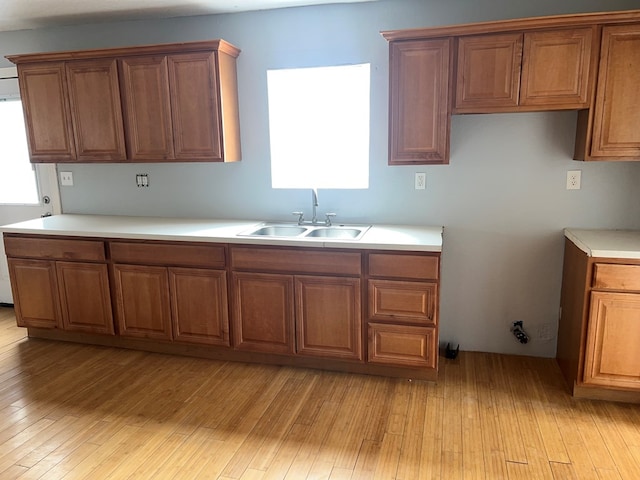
<point>606,243</point>
<point>383,237</point>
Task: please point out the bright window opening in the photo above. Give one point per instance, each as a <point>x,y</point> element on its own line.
<point>17,177</point>
<point>319,127</point>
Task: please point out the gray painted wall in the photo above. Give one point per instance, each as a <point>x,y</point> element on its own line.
<point>502,199</point>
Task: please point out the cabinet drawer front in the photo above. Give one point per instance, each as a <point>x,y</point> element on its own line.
<point>187,255</point>
<point>403,345</point>
<point>49,248</point>
<point>423,267</point>
<point>413,302</point>
<point>290,260</point>
<point>616,277</point>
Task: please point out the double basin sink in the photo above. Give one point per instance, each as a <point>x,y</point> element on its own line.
<point>339,232</point>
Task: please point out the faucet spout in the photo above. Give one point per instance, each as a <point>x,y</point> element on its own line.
<point>314,201</point>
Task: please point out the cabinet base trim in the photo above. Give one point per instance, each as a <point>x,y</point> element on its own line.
<point>596,393</point>
<point>225,354</point>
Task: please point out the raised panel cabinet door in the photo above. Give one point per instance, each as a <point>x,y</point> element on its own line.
<point>488,73</point>
<point>263,309</point>
<point>35,293</point>
<point>556,68</point>
<point>412,302</point>
<point>199,305</point>
<point>419,102</point>
<point>43,90</point>
<point>147,110</point>
<point>85,297</point>
<point>195,106</point>
<point>328,317</point>
<point>142,300</point>
<point>403,345</point>
<point>96,112</point>
<point>612,356</point>
<point>617,108</point>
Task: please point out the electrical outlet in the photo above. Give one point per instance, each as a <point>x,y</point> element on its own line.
<point>421,181</point>
<point>66,179</point>
<point>573,179</point>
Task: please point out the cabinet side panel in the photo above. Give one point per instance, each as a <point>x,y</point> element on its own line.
<point>229,106</point>
<point>574,303</point>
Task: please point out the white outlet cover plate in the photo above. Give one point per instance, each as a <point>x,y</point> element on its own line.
<point>574,178</point>
<point>66,179</point>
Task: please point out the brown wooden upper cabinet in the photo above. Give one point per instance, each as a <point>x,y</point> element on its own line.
<point>588,62</point>
<point>420,102</point>
<point>175,102</point>
<point>609,130</point>
<point>545,70</point>
<point>94,97</point>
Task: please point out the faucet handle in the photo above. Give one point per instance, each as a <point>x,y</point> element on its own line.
<point>300,216</point>
<point>328,218</point>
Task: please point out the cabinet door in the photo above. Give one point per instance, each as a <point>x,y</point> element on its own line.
<point>328,317</point>
<point>142,299</point>
<point>263,312</point>
<point>403,345</point>
<point>94,96</point>
<point>85,297</point>
<point>147,111</point>
<point>412,302</point>
<point>555,68</point>
<point>617,108</point>
<point>199,305</point>
<point>35,293</point>
<point>612,357</point>
<point>488,74</point>
<point>195,106</point>
<point>420,102</point>
<point>43,88</point>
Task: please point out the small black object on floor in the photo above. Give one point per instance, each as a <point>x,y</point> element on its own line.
<point>450,352</point>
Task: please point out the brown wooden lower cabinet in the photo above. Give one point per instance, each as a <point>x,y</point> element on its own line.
<point>199,305</point>
<point>180,304</point>
<point>142,301</point>
<point>612,356</point>
<point>599,327</point>
<point>403,345</point>
<point>35,293</point>
<point>312,307</point>
<point>70,295</point>
<point>85,297</point>
<point>328,318</point>
<point>263,312</point>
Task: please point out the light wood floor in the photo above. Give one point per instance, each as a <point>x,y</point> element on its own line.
<point>75,411</point>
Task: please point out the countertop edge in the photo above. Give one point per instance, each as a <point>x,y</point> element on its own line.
<point>151,229</point>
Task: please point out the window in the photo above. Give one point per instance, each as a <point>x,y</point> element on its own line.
<point>17,176</point>
<point>319,127</point>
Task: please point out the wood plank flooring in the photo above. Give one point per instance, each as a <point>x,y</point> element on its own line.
<point>74,411</point>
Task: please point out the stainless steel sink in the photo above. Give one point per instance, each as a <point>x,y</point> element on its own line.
<point>277,231</point>
<point>336,232</point>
